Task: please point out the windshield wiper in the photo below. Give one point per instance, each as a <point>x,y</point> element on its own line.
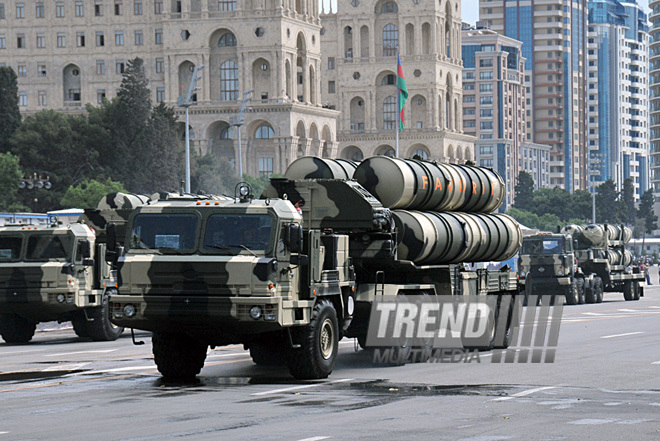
<point>245,247</point>
<point>217,247</point>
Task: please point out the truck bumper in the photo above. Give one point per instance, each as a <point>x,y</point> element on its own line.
<point>37,304</point>
<point>230,315</point>
<point>546,286</point>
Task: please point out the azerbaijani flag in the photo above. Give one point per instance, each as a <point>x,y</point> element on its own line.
<point>403,91</point>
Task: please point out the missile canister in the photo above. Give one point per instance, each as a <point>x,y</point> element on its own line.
<point>573,230</point>
<point>312,167</point>
<point>594,234</point>
<point>427,186</point>
<point>442,238</point>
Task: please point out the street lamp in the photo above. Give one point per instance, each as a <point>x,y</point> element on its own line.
<point>187,101</point>
<point>33,183</point>
<point>238,121</point>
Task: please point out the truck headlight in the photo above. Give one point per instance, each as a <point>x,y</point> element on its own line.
<point>523,273</point>
<point>61,298</point>
<point>129,311</point>
<point>255,312</point>
<point>560,272</point>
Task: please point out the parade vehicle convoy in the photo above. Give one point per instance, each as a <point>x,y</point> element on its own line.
<point>580,263</point>
<point>290,273</point>
<point>59,272</point>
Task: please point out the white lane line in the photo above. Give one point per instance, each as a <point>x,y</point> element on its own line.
<point>97,351</point>
<point>124,369</point>
<point>65,367</point>
<point>622,335</point>
<point>592,313</point>
<point>629,310</point>
<point>315,438</point>
<point>304,386</point>
<point>523,393</point>
<point>656,362</point>
<point>3,433</point>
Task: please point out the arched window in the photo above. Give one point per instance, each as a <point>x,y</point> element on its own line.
<point>227,133</point>
<point>229,81</point>
<point>389,113</point>
<point>421,153</point>
<point>390,40</point>
<point>264,132</point>
<point>388,80</point>
<point>389,7</point>
<point>227,40</point>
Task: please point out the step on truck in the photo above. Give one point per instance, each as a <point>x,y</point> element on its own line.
<point>59,272</point>
<point>291,273</point>
<point>580,263</point>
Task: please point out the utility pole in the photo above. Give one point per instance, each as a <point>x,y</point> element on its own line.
<point>187,101</point>
<point>238,121</point>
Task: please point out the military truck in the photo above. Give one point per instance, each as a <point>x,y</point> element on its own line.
<point>580,263</point>
<point>59,272</point>
<point>291,273</point>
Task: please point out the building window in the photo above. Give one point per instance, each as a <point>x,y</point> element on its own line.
<point>331,87</point>
<point>20,10</point>
<point>486,75</point>
<point>100,39</point>
<point>389,7</point>
<point>59,10</point>
<point>264,132</point>
<point>160,65</point>
<point>61,40</point>
<point>80,39</point>
<point>390,40</point>
<point>20,41</point>
<point>41,41</point>
<point>22,99</point>
<point>159,36</point>
<point>139,38</point>
<point>3,42</point>
<point>331,63</point>
<point>229,81</point>
<point>265,166</point>
<point>227,40</point>
<point>2,11</point>
<point>40,10</point>
<point>74,94</point>
<point>100,95</point>
<point>119,66</point>
<point>100,67</point>
<point>80,9</point>
<point>160,94</point>
<point>98,10</point>
<point>137,7</point>
<point>226,5</point>
<point>118,7</point>
<point>486,125</point>
<point>41,70</point>
<point>486,113</point>
<point>486,100</point>
<point>485,87</point>
<point>41,97</point>
<point>119,38</point>
<point>22,70</point>
<point>389,113</point>
<point>158,7</point>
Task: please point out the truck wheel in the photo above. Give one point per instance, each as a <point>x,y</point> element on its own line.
<point>628,290</point>
<point>636,291</point>
<point>268,354</point>
<point>572,293</point>
<point>590,292</point>
<point>598,289</point>
<point>79,322</point>
<point>16,329</point>
<point>509,330</point>
<point>178,356</point>
<point>580,290</point>
<point>319,344</point>
<point>101,328</point>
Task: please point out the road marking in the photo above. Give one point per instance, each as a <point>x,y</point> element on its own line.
<point>3,433</point>
<point>97,351</point>
<point>304,386</point>
<point>124,369</point>
<point>622,335</point>
<point>316,438</point>
<point>628,310</point>
<point>65,367</point>
<point>656,362</point>
<point>523,393</point>
<point>592,313</point>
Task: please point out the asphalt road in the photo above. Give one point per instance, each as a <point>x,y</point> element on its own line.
<point>604,384</point>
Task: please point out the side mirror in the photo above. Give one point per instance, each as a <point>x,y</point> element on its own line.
<point>295,237</point>
<point>300,259</point>
<point>88,262</point>
<point>85,249</point>
<point>111,233</point>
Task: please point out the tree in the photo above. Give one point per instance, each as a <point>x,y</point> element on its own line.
<point>88,193</point>
<point>580,207</point>
<point>211,175</point>
<point>607,203</point>
<point>645,211</point>
<point>627,202</point>
<point>524,191</point>
<point>10,177</point>
<point>10,117</point>
<point>546,222</point>
<point>555,201</point>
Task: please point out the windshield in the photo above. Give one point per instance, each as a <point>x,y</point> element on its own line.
<point>49,246</point>
<point>164,231</point>
<point>10,248</point>
<point>544,246</point>
<point>238,231</point>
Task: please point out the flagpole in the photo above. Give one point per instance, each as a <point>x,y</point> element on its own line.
<point>398,113</point>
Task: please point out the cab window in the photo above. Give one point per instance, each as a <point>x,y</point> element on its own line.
<point>10,248</point>
<point>236,232</point>
<point>48,246</point>
<point>164,231</point>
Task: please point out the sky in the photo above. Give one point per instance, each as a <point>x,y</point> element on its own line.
<point>470,9</point>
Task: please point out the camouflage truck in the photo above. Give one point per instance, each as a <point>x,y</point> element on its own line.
<point>59,272</point>
<point>580,263</point>
<point>286,275</point>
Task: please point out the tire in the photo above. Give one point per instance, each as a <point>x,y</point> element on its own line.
<point>178,356</point>
<point>572,297</point>
<point>269,353</point>
<point>580,290</point>
<point>636,291</point>
<point>628,290</point>
<point>509,330</point>
<point>319,344</point>
<point>16,329</point>
<point>79,322</point>
<point>589,292</point>
<point>101,328</point>
<point>598,289</point>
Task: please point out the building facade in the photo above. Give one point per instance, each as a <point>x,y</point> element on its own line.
<point>360,45</point>
<point>69,53</point>
<point>494,101</point>
<point>654,105</point>
<point>535,160</point>
<point>553,33</point>
<point>618,94</point>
